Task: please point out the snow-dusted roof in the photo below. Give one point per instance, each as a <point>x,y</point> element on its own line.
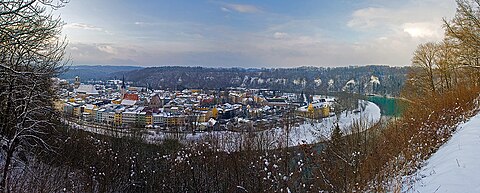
<point>89,106</point>
<point>127,102</point>
<point>129,112</point>
<point>212,122</point>
<point>87,89</point>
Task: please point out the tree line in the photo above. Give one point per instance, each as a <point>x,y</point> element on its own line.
<point>316,79</point>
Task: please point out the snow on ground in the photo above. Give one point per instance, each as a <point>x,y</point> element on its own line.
<point>455,166</point>
<point>306,133</point>
<point>309,133</point>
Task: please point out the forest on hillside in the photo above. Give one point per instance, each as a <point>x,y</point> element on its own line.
<point>381,80</point>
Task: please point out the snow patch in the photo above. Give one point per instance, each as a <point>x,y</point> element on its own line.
<point>374,80</point>
<point>455,166</point>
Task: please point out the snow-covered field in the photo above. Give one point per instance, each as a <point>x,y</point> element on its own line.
<point>455,167</point>
<point>307,133</point>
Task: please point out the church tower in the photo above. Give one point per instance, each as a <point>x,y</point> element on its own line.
<point>123,87</point>
<point>77,82</point>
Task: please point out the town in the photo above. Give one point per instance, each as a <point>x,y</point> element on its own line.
<point>116,104</point>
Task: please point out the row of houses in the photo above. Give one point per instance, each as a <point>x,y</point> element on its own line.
<point>138,116</point>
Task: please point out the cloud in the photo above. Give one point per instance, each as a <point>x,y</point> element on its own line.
<point>390,35</point>
<point>418,19</point>
<point>423,30</point>
<point>100,53</point>
<point>273,49</point>
<point>225,9</point>
<point>140,23</point>
<point>246,51</point>
<point>371,17</point>
<point>241,8</point>
<point>86,27</point>
<point>144,24</point>
<point>191,35</point>
<point>370,35</point>
<point>280,35</point>
<point>83,26</point>
<point>107,49</point>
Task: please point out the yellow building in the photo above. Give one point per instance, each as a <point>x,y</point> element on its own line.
<point>77,111</point>
<point>171,121</point>
<point>202,117</point>
<point>176,120</point>
<point>117,119</point>
<point>311,111</point>
<point>214,112</point>
<point>314,111</point>
<point>148,119</point>
<point>118,101</point>
<point>326,111</point>
<point>89,108</point>
<point>202,108</point>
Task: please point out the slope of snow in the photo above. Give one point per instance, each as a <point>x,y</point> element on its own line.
<point>309,133</point>
<point>455,167</point>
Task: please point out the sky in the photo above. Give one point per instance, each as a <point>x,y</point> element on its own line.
<point>268,33</point>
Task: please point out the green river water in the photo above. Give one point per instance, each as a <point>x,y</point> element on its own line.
<point>392,107</point>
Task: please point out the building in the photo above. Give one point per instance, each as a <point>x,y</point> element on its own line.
<point>141,119</point>
<point>277,102</point>
<point>131,96</point>
<point>71,109</point>
<point>129,118</point>
<point>110,117</point>
<point>315,110</point>
<point>155,102</point>
<point>159,119</point>
<point>85,90</point>
<point>77,82</point>
<point>117,118</point>
<point>148,118</point>
<point>123,88</point>
<point>101,116</point>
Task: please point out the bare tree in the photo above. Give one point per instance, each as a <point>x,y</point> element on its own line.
<point>31,54</point>
<point>463,33</point>
<point>425,57</point>
<point>464,28</point>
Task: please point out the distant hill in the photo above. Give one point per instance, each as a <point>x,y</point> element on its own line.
<point>98,72</point>
<point>364,79</point>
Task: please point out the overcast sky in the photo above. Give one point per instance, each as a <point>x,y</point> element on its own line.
<point>267,33</point>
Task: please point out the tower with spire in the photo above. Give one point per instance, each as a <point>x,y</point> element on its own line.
<point>123,87</point>
<point>77,82</point>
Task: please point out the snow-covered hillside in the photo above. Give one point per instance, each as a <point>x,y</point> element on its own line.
<point>455,167</point>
